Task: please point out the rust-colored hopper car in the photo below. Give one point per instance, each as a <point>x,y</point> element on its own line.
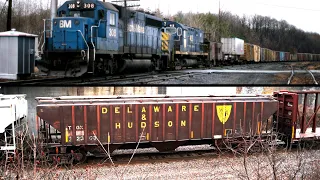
<point>158,121</point>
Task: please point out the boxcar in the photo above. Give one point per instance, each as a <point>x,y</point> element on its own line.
<point>294,57</point>
<point>287,56</point>
<point>277,55</point>
<point>248,52</point>
<point>158,121</point>
<point>273,55</point>
<point>269,55</point>
<point>282,56</point>
<point>262,55</point>
<point>257,50</point>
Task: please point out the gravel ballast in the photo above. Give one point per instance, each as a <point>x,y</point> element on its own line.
<point>284,165</point>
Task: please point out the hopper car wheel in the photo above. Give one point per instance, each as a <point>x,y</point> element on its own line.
<point>80,156</point>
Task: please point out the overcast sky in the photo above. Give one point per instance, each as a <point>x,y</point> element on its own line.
<point>304,14</point>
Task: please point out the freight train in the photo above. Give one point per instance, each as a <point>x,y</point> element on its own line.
<point>75,126</point>
<point>93,37</point>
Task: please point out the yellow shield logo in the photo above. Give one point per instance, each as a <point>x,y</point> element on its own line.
<point>224,112</point>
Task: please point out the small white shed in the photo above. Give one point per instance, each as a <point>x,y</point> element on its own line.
<point>17,54</point>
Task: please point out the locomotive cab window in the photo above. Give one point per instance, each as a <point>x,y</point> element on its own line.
<point>101,14</point>
<point>88,14</point>
<point>112,19</point>
<point>62,14</point>
<point>179,31</point>
<point>171,30</point>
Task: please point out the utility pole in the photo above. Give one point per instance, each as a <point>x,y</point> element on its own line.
<point>219,26</point>
<point>9,15</point>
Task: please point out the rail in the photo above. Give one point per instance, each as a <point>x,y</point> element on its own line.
<point>292,74</point>
<point>314,79</point>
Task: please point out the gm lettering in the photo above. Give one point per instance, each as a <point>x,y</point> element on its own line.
<point>65,23</point>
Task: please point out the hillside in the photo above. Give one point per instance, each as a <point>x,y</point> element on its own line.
<point>264,31</point>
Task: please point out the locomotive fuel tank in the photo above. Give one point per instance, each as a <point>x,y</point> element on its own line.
<point>160,121</point>
<point>134,65</point>
<point>189,62</point>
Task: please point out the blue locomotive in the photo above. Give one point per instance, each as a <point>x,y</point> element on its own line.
<point>186,44</point>
<point>91,36</point>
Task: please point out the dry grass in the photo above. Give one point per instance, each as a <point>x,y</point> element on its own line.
<point>273,165</point>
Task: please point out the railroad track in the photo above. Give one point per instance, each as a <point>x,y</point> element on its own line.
<point>150,157</point>
<point>153,156</point>
<point>149,78</point>
<point>293,75</point>
<point>166,77</point>
<point>98,80</point>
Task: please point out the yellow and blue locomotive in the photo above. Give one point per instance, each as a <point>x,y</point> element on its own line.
<point>185,44</point>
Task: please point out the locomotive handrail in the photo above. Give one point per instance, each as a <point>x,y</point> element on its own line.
<point>42,34</point>
<point>44,30</point>
<point>86,44</point>
<point>44,39</point>
<point>94,47</point>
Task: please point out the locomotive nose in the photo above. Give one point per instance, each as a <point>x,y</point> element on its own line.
<point>70,34</point>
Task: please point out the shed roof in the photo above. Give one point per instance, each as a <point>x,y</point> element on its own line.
<point>14,33</point>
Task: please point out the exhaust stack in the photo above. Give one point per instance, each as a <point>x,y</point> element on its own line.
<point>54,6</point>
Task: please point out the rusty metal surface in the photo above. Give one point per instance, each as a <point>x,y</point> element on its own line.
<point>157,118</point>
<point>298,114</point>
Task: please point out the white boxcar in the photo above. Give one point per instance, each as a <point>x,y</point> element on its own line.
<point>13,111</point>
<point>232,46</point>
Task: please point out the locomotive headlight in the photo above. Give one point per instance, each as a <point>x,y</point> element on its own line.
<point>78,4</point>
<point>55,23</point>
<point>76,22</point>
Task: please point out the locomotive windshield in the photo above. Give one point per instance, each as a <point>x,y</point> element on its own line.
<point>89,14</point>
<point>171,30</point>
